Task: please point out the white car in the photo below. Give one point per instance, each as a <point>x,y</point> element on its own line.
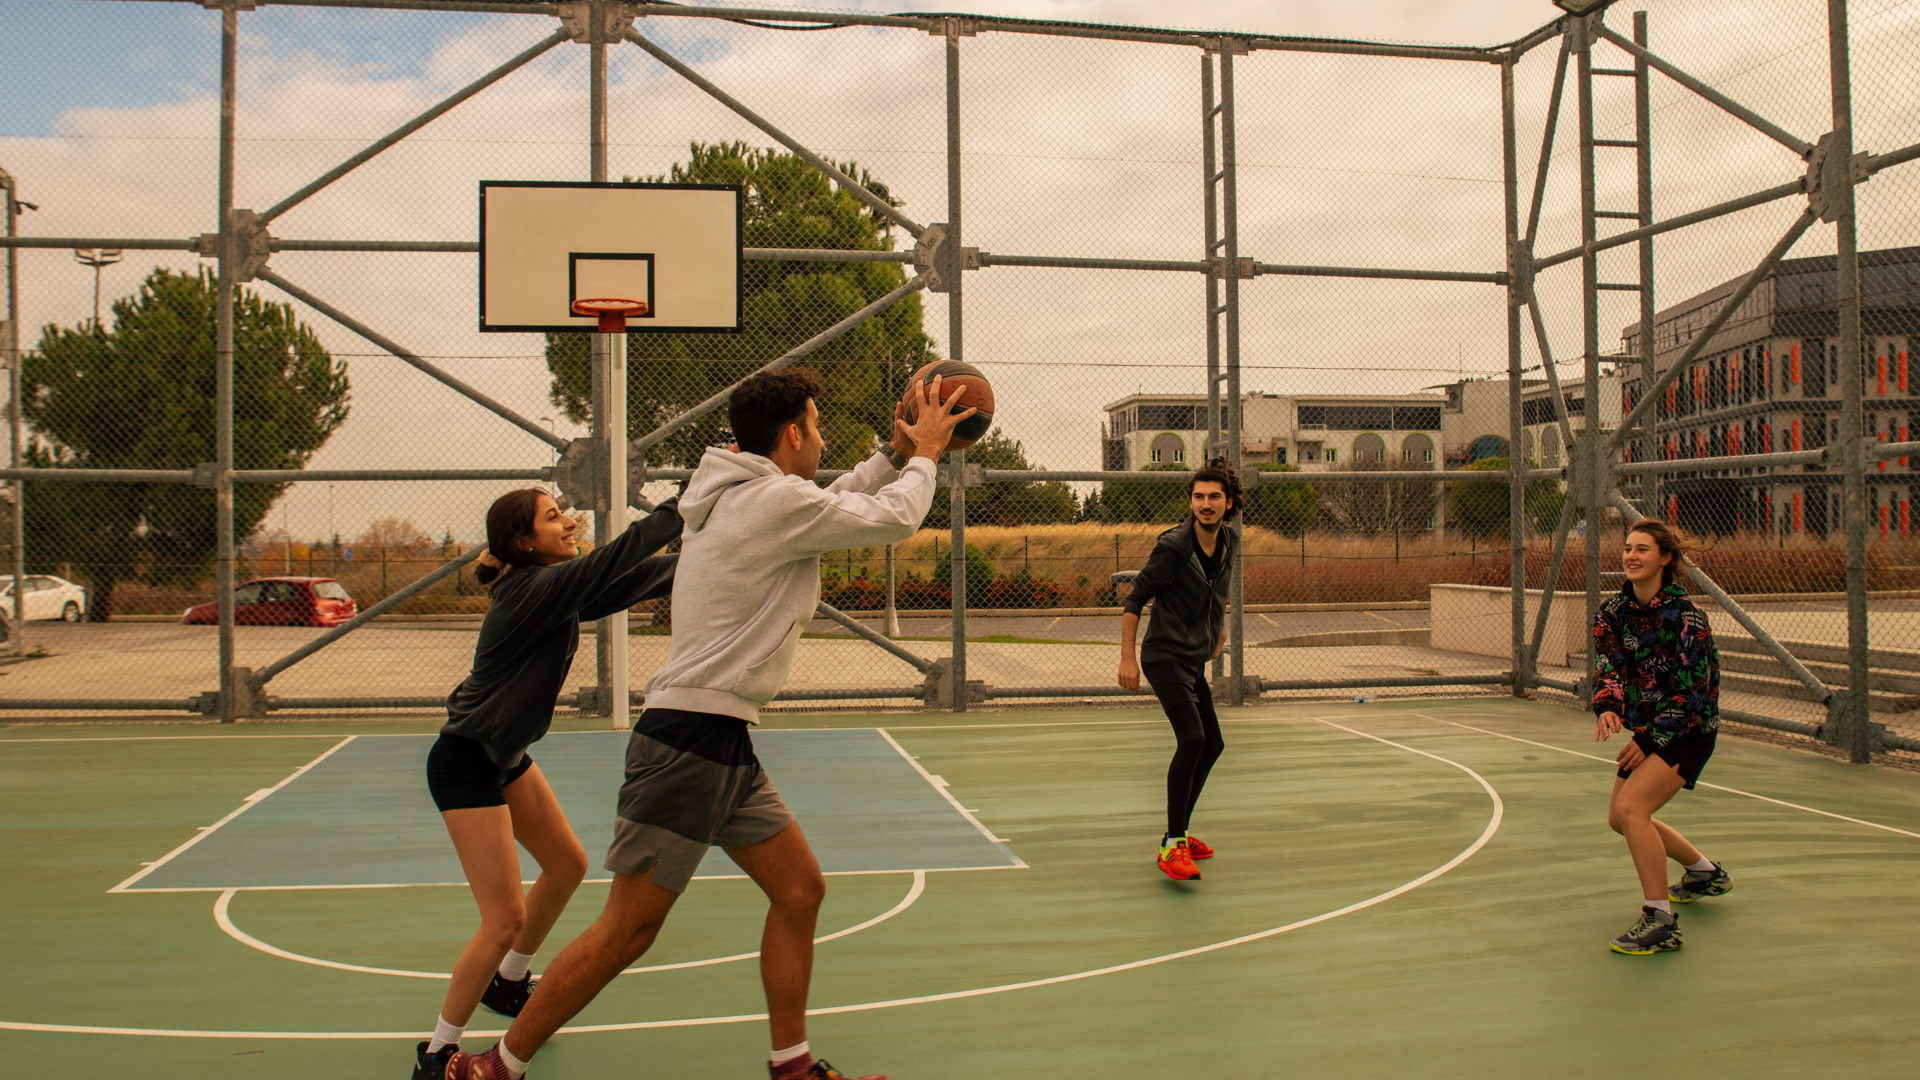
<point>47,597</point>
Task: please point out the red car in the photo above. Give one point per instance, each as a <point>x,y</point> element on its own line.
<point>281,601</point>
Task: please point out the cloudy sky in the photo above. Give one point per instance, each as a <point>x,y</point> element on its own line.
<point>1071,148</point>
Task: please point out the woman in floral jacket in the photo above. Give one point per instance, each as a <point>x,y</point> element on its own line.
<point>1657,675</point>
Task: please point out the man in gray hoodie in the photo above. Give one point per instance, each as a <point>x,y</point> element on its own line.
<point>747,584</point>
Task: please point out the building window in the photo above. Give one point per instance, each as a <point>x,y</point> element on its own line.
<point>1332,455</point>
<point>1279,455</point>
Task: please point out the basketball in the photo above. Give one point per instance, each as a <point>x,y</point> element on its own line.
<point>979,395</point>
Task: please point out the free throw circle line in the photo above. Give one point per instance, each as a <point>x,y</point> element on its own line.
<point>222,916</point>
<point>1486,834</point>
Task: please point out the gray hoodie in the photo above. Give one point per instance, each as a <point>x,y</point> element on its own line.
<point>749,573</point>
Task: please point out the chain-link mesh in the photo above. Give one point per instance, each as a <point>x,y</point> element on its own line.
<point>1364,194</point>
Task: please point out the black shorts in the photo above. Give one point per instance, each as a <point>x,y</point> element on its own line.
<point>1686,753</point>
<point>461,776</point>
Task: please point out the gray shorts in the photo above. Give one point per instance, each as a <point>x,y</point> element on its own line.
<point>692,782</point>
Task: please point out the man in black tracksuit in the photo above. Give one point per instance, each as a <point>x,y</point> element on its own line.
<point>1187,577</point>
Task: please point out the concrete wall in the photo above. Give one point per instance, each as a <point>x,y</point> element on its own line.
<point>1478,619</point>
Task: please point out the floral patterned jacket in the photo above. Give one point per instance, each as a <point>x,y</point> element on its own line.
<point>1656,665</point>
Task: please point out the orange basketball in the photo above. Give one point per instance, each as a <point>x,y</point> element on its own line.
<point>979,395</point>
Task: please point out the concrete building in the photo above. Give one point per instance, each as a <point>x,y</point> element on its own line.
<point>1453,424</point>
<point>1769,380</point>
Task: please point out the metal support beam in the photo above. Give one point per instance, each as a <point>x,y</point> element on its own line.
<point>1516,487</point>
<point>959,586</point>
<point>1752,119</point>
<point>1560,533</point>
<point>879,206</point>
<point>1591,465</point>
<point>1705,337</point>
<point>1547,134</point>
<point>1731,206</point>
<point>1856,730</point>
<point>805,348</point>
<point>223,559</point>
<point>1643,190</point>
<point>410,127</point>
<point>384,342</point>
<point>16,514</point>
<point>920,664</point>
<point>262,676</point>
<point>1230,250</point>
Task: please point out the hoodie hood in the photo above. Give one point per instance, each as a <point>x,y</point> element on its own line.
<point>718,471</point>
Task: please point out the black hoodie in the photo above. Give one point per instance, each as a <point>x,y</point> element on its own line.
<point>532,629</point>
<point>1189,607</point>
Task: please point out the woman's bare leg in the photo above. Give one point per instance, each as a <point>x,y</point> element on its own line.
<point>483,836</point>
<point>1630,813</point>
<point>541,827</point>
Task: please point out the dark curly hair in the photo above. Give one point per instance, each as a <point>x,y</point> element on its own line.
<point>1219,472</point>
<point>763,405</point>
<point>1672,540</point>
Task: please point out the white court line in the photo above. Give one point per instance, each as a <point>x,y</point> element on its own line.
<point>586,881</point>
<point>948,795</point>
<point>1716,787</point>
<point>251,801</point>
<point>1486,834</point>
<point>222,916</point>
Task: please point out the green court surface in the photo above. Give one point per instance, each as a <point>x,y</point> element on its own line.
<point>1409,889</point>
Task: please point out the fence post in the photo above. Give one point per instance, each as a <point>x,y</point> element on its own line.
<point>18,516</point>
<point>1591,462</point>
<point>958,458</point>
<point>1856,732</point>
<point>230,690</point>
<point>1516,467</point>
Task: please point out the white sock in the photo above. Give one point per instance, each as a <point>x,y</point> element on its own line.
<point>1704,864</point>
<point>781,1057</point>
<point>1659,905</point>
<point>514,967</point>
<point>444,1034</point>
<point>514,1065</point>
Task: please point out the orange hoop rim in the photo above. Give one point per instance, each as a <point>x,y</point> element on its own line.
<point>608,305</point>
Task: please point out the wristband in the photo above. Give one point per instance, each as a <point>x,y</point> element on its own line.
<point>897,459</point>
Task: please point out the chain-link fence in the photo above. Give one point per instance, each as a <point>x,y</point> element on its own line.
<point>1398,286</point>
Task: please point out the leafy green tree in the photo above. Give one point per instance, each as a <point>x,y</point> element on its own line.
<point>1140,500</point>
<point>788,204</point>
<point>980,573</point>
<point>1287,508</point>
<point>1483,508</point>
<point>141,397</point>
<point>1005,502</point>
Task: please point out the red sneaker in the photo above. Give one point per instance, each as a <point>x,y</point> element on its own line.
<point>487,1066</point>
<point>806,1068</point>
<point>1176,861</point>
<point>1199,848</point>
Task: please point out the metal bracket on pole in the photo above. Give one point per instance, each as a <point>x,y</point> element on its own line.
<point>937,692</point>
<point>1824,175</point>
<point>237,5</point>
<point>953,27</point>
<point>256,245</point>
<point>206,474</point>
<point>939,262</point>
<point>577,473</point>
<point>1520,274</point>
<point>613,23</point>
<point>1236,46</point>
<point>1244,267</point>
<point>971,475</point>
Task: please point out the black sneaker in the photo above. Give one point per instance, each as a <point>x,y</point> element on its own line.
<point>1657,931</point>
<point>508,998</point>
<point>433,1066</point>
<point>1695,884</point>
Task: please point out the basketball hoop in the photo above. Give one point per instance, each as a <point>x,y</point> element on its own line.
<point>613,312</point>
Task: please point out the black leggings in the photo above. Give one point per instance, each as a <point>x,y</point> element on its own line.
<point>1183,693</point>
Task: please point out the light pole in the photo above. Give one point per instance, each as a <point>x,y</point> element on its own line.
<point>97,258</point>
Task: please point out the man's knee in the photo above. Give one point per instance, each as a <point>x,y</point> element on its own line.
<point>802,894</point>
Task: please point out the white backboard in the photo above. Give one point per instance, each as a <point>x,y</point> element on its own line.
<point>545,245</point>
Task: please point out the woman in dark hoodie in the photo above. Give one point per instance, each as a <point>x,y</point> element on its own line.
<point>1187,577</point>
<point>490,793</point>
